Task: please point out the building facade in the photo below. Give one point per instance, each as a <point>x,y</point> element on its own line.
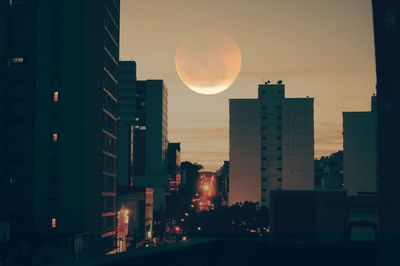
<point>64,64</point>
<point>126,123</point>
<point>386,33</point>
<point>244,151</point>
<point>298,143</point>
<point>174,162</point>
<point>280,138</point>
<point>151,139</point>
<point>360,151</point>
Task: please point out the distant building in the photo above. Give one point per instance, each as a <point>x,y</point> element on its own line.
<point>174,162</point>
<point>329,172</point>
<point>360,151</point>
<point>274,137</point>
<point>174,180</point>
<point>222,176</point>
<point>58,126</point>
<point>244,151</point>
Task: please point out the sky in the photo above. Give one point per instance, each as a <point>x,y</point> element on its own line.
<point>319,48</point>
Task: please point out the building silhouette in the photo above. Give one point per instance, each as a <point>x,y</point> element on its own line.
<point>126,122</point>
<point>151,143</point>
<point>59,80</point>
<point>271,144</point>
<point>174,162</point>
<point>386,30</point>
<point>328,172</point>
<point>222,176</point>
<point>17,115</point>
<point>360,151</point>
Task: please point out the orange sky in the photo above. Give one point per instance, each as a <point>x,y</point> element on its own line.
<point>322,49</point>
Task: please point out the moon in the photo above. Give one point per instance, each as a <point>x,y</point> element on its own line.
<point>208,63</point>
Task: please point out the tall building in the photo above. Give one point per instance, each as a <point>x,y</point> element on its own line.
<point>18,26</point>
<point>150,138</point>
<point>271,98</point>
<point>386,16</point>
<point>58,121</point>
<point>360,151</point>
<point>244,151</point>
<point>298,143</point>
<point>279,133</point>
<point>126,122</point>
<point>135,191</point>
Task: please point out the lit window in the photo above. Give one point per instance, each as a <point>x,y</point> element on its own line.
<point>53,223</point>
<point>17,60</point>
<point>55,96</point>
<point>55,137</point>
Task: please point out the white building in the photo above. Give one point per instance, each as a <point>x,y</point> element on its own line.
<point>272,148</point>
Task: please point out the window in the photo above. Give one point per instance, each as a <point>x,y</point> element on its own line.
<point>55,137</point>
<point>53,223</point>
<point>55,96</point>
<point>16,60</point>
<point>279,158</point>
<point>279,179</point>
<point>279,169</point>
<point>279,148</point>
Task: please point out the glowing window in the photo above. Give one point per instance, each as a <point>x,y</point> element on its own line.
<point>17,60</point>
<point>53,223</point>
<point>55,96</point>
<point>55,137</point>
